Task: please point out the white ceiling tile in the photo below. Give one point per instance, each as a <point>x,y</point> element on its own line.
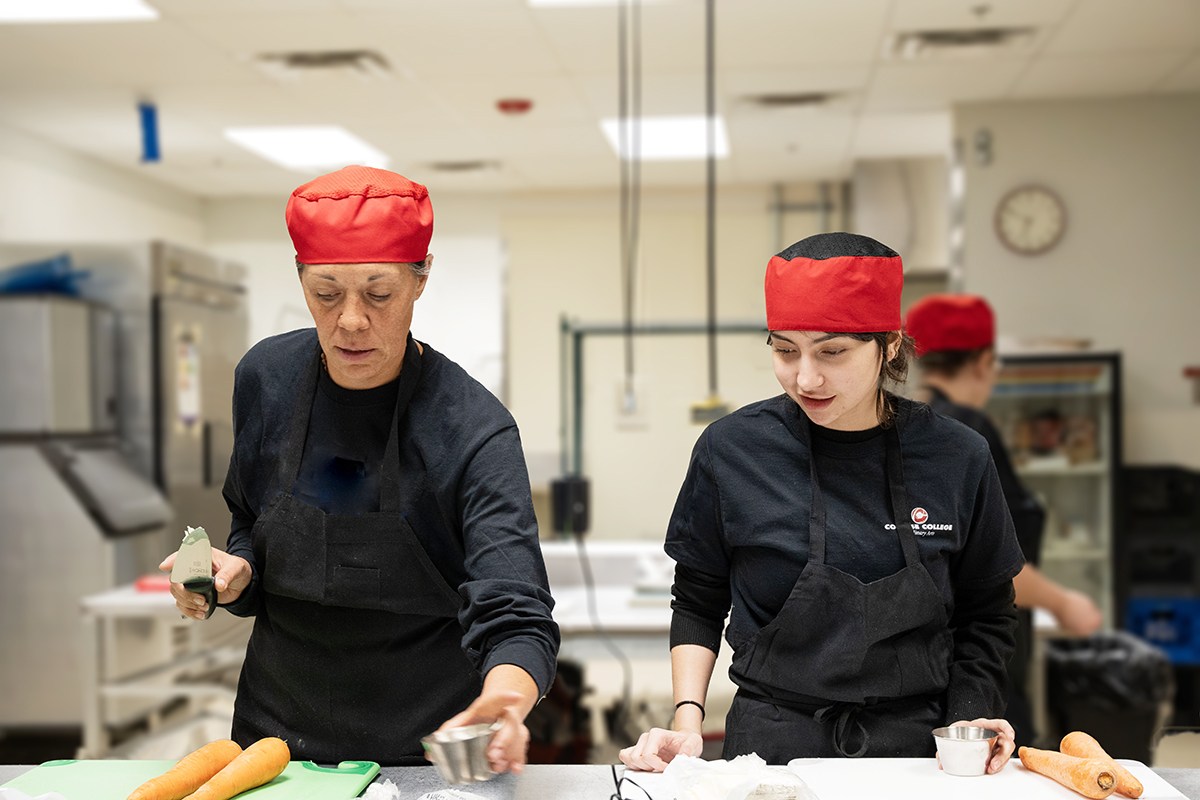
<point>933,85</point>
<point>663,94</point>
<point>198,8</point>
<point>789,144</point>
<point>769,33</point>
<point>901,135</point>
<point>913,15</point>
<point>1097,26</point>
<point>585,40</point>
<point>1184,79</point>
<point>1090,76</point>
<point>551,172</point>
<point>583,141</point>
<point>251,33</point>
<point>491,39</point>
<point>142,56</point>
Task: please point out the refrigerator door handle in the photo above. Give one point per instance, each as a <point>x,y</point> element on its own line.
<point>206,453</point>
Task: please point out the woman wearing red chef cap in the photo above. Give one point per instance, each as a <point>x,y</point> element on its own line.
<point>858,541</point>
<point>383,532</point>
<point>955,338</point>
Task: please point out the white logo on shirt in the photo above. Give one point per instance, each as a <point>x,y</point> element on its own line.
<point>921,525</point>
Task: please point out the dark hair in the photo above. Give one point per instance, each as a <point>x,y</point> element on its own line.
<point>894,371</point>
<point>950,362</point>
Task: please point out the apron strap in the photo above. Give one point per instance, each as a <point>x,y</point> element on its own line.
<point>899,498</point>
<point>293,448</point>
<point>410,376</point>
<point>816,514</point>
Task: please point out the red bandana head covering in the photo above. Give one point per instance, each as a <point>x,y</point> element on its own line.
<point>835,282</point>
<point>360,215</point>
<point>951,322</point>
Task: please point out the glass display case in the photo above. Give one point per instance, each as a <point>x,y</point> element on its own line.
<point>1059,415</point>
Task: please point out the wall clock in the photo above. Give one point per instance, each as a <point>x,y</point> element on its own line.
<point>1030,219</point>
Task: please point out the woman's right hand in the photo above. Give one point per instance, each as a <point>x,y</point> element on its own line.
<point>231,575</point>
<point>655,749</point>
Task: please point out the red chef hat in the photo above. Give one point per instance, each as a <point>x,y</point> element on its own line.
<point>360,215</point>
<point>951,322</point>
<point>835,282</point>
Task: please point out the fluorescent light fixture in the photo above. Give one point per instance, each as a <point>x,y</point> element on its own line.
<point>669,138</point>
<point>308,147</point>
<point>583,3</point>
<point>32,11</point>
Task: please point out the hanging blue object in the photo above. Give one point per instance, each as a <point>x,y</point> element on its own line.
<point>148,114</point>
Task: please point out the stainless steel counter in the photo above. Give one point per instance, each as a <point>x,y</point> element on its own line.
<point>547,782</point>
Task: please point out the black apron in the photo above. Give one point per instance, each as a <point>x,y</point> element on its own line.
<point>357,651</point>
<point>846,668</point>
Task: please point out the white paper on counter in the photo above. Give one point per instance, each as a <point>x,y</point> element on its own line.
<point>916,779</point>
<point>17,794</point>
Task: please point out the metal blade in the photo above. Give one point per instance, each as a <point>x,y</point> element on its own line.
<point>193,567</point>
<point>194,559</point>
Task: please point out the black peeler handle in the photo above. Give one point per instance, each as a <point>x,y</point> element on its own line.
<point>206,587</point>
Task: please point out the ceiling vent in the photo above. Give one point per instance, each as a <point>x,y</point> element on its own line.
<point>960,43</point>
<point>291,67</point>
<point>462,167</point>
<point>789,99</point>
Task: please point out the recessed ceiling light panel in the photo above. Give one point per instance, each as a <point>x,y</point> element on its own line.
<point>307,148</point>
<point>39,11</point>
<point>668,138</point>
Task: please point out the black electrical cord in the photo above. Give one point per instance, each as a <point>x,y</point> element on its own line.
<point>621,717</point>
<point>710,92</point>
<point>629,103</point>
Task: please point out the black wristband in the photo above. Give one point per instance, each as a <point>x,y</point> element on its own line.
<point>691,703</point>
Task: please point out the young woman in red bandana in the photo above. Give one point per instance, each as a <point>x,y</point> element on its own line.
<point>858,542</point>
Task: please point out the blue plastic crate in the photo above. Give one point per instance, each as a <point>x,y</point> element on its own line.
<point>1171,623</point>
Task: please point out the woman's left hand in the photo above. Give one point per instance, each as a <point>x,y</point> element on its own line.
<point>509,744</point>
<point>1004,745</point>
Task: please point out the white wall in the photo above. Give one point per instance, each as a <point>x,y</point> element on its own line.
<point>49,194</point>
<point>1127,273</point>
<point>563,260</point>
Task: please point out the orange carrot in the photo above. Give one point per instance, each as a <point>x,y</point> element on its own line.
<point>1078,743</point>
<point>190,773</point>
<point>1090,777</point>
<point>258,764</point>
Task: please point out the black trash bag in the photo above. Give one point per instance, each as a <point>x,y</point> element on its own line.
<point>1113,686</point>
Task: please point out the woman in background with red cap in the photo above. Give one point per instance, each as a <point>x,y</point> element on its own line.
<point>955,341</point>
<point>858,541</point>
<point>383,532</point>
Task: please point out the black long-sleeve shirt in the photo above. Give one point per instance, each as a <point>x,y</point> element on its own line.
<point>464,483</point>
<point>739,531</point>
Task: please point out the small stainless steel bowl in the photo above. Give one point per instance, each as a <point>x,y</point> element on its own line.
<point>461,753</point>
<point>964,749</point>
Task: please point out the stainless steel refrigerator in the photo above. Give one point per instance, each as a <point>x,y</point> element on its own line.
<point>115,433</point>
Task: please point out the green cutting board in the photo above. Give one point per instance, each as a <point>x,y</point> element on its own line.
<point>114,780</point>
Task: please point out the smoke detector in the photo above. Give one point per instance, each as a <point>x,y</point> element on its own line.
<point>960,43</point>
<point>299,65</point>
